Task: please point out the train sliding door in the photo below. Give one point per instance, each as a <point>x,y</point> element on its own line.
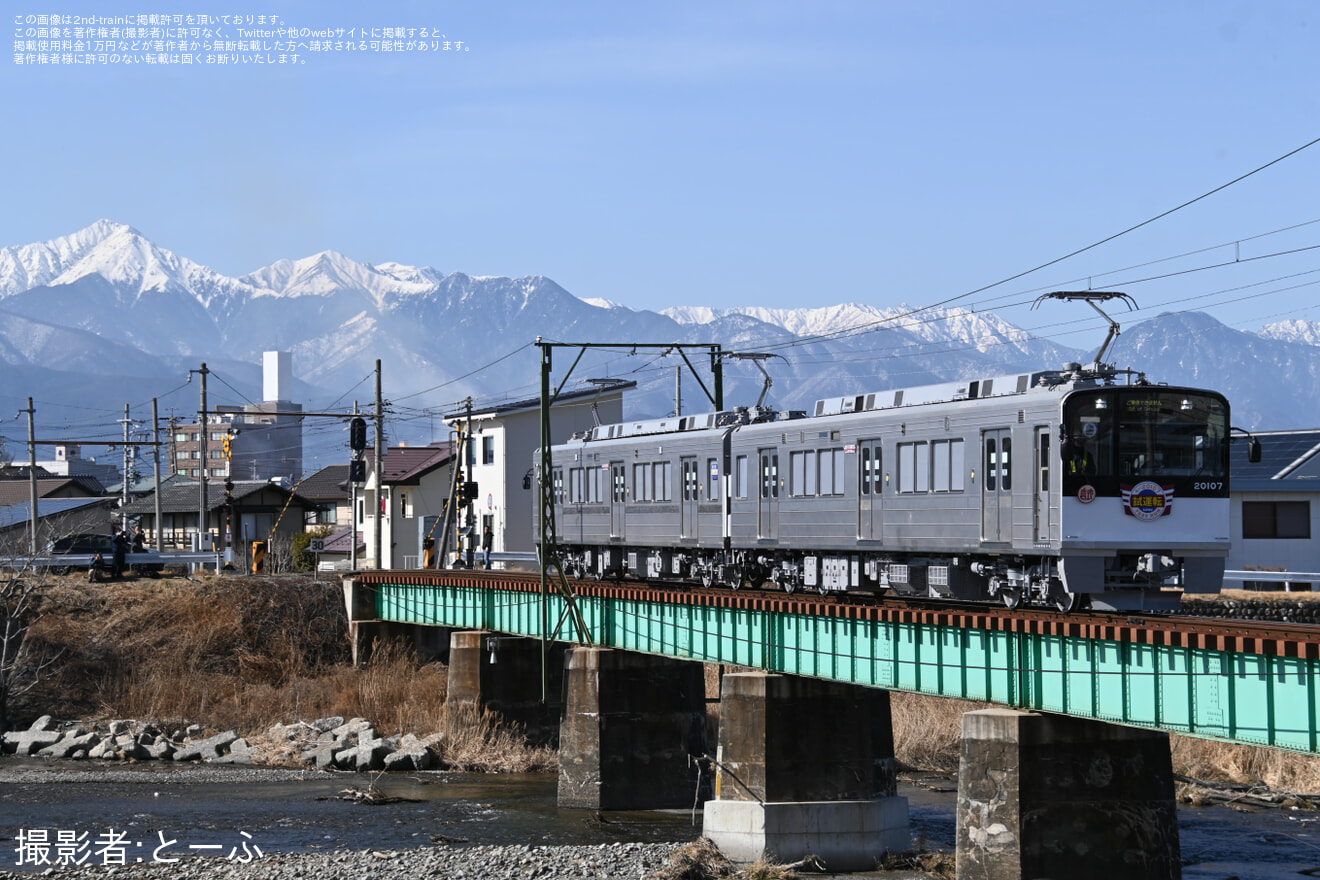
<point>618,497</point>
<point>997,486</point>
<point>870,502</point>
<point>767,520</point>
<point>691,495</point>
<point>1043,463</point>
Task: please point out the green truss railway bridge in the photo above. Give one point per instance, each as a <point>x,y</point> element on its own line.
<point>1069,773</point>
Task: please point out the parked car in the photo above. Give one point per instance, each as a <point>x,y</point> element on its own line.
<point>145,561</point>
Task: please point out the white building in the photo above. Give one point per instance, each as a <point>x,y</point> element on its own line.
<point>68,462</point>
<point>1275,503</point>
<point>505,444</point>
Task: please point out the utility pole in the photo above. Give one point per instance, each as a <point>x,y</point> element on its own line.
<point>380,468</point>
<point>155,462</point>
<point>123,492</point>
<point>471,465</point>
<point>174,448</point>
<point>32,478</point>
<point>456,477</point>
<point>202,527</point>
<point>352,507</point>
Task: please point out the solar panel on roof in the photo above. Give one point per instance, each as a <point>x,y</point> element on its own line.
<point>1278,451</point>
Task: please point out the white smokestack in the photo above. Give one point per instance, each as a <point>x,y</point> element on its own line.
<point>277,375</point>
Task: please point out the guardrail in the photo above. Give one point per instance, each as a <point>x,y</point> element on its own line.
<point>84,560</point>
<point>1306,580</point>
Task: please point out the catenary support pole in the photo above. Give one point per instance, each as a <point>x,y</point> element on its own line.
<point>32,478</point>
<point>380,470</point>
<point>202,525</point>
<point>155,464</point>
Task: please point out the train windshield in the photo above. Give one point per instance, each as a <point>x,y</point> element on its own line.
<point>1145,431</point>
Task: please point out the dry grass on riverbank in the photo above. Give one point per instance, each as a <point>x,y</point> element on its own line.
<point>928,731</point>
<point>246,654</point>
<point>1227,762</point>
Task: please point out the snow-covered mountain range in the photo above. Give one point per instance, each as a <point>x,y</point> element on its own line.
<point>105,315</point>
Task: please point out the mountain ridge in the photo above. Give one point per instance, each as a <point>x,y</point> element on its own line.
<point>108,298</point>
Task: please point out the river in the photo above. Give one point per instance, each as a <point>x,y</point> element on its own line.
<point>154,811</point>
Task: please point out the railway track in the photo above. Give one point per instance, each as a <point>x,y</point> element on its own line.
<point>1274,638</point>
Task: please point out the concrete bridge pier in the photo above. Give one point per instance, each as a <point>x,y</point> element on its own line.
<point>503,674</point>
<point>806,767</point>
<point>1054,796</point>
<point>631,726</point>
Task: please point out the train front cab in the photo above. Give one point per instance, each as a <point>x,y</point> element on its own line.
<point>1144,494</point>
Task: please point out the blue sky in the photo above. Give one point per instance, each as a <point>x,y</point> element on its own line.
<point>726,154</point>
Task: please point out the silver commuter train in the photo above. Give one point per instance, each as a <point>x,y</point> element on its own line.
<point>1066,488</point>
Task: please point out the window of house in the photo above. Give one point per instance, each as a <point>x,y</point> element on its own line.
<point>1276,519</point>
<point>487,450</point>
<point>181,438</point>
<point>405,504</point>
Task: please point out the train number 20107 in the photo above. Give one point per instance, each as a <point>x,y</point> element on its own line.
<point>1207,487</point>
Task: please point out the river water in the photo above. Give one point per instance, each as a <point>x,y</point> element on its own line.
<point>161,810</point>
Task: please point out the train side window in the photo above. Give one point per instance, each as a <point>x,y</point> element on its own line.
<point>1044,462</point>
<point>947,464</point>
<point>797,476</point>
<point>803,473</point>
<point>713,471</point>
<point>865,477</point>
<point>641,482</point>
<point>620,487</point>
<point>913,467</point>
<point>831,473</point>
<point>769,475</point>
<point>991,464</point>
<point>557,484</point>
<point>740,477</point>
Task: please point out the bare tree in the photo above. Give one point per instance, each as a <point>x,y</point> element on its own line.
<point>22,597</point>
<point>279,554</point>
<point>25,593</point>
